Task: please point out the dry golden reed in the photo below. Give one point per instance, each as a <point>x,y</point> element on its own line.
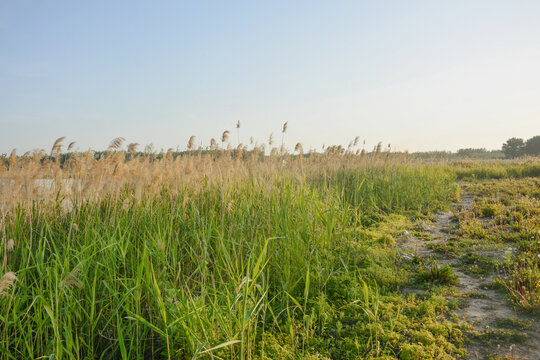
<point>91,176</point>
<point>132,148</point>
<point>56,149</point>
<point>13,158</point>
<point>10,245</point>
<point>116,143</point>
<point>191,143</point>
<point>6,282</point>
<point>225,136</point>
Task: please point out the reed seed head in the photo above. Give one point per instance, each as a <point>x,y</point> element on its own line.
<point>57,146</point>
<point>116,143</point>
<point>225,136</point>
<point>191,143</point>
<point>72,279</point>
<point>6,282</point>
<point>126,205</point>
<point>10,245</point>
<point>132,148</point>
<point>13,157</point>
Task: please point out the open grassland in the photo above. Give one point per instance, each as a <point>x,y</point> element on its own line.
<point>236,255</point>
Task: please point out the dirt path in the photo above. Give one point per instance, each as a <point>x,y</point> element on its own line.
<point>500,331</point>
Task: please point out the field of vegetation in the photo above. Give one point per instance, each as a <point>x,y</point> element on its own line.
<point>233,254</point>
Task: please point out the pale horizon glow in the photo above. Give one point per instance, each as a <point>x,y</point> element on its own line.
<point>419,75</point>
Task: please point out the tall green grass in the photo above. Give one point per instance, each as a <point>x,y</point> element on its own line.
<point>388,189</point>
<point>208,273</point>
<point>495,170</point>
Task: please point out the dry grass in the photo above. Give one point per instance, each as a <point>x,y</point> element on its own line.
<point>90,175</point>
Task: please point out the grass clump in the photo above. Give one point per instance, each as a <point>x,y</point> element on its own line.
<point>498,336</point>
<point>435,275</point>
<point>476,264</point>
<point>511,323</point>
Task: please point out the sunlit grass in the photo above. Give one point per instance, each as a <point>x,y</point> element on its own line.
<point>217,254</point>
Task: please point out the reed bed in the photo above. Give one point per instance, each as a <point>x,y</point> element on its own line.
<point>223,254</point>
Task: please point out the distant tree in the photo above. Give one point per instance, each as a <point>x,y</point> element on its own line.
<point>478,153</point>
<point>513,148</point>
<point>532,146</point>
<point>471,152</point>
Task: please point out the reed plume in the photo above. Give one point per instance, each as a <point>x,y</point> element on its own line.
<point>116,143</point>
<point>38,154</point>
<point>6,282</point>
<point>283,136</point>
<point>191,143</point>
<point>57,146</point>
<point>72,279</point>
<point>225,136</point>
<point>239,151</point>
<point>10,245</point>
<point>132,148</point>
<point>13,158</point>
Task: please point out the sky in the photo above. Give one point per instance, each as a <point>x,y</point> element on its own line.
<point>419,75</point>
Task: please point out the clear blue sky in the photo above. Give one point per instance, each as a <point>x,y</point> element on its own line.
<point>421,75</point>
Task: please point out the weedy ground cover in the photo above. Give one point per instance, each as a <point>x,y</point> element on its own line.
<point>506,216</point>
<point>222,255</point>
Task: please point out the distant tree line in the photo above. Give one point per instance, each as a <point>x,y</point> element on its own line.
<point>515,147</point>
<point>511,149</point>
<point>478,153</point>
<point>468,153</point>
